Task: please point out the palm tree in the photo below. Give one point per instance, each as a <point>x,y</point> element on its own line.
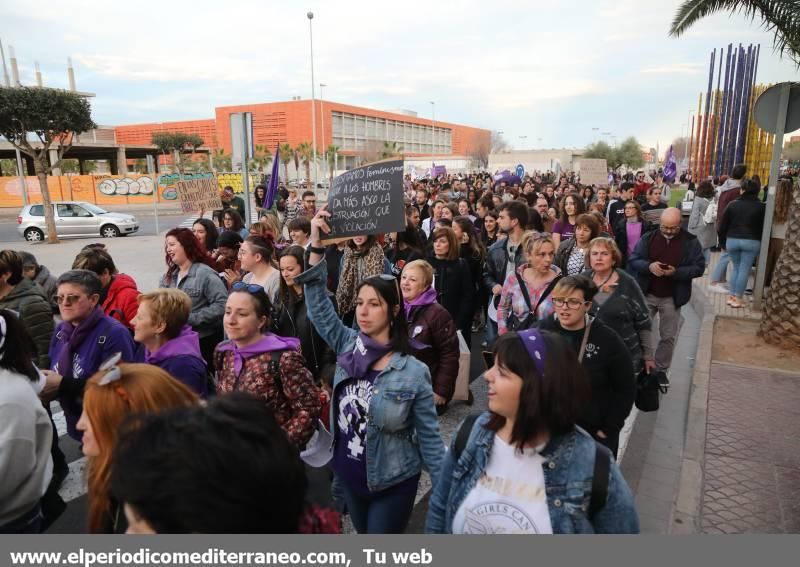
<point>305,152</point>
<point>391,149</point>
<point>330,154</point>
<point>286,154</point>
<point>778,16</point>
<point>262,158</point>
<point>779,323</point>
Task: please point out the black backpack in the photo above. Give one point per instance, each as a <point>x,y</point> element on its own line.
<point>602,466</point>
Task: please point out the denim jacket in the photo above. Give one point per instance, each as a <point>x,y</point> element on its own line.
<point>208,294</point>
<point>568,470</point>
<point>402,427</point>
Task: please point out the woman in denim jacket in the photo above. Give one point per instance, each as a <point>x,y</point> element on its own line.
<point>526,467</point>
<point>382,417</point>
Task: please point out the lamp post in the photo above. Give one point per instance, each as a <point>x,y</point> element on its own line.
<point>433,127</point>
<point>310,16</point>
<point>322,112</point>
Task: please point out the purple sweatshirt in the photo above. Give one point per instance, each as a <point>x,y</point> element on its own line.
<point>182,359</point>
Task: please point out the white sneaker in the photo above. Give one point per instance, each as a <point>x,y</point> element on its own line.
<point>719,288</point>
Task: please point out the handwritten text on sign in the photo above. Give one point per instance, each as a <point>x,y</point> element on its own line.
<point>368,200</point>
<point>594,172</point>
<point>196,194</point>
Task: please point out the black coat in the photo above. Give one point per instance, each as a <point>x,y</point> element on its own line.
<point>453,282</point>
<point>621,236</point>
<point>743,218</point>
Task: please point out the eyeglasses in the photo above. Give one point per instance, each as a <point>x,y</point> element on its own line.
<point>249,288</point>
<point>309,201</point>
<point>670,228</point>
<point>68,299</point>
<point>571,302</point>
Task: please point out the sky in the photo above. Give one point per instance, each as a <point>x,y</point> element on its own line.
<point>545,73</point>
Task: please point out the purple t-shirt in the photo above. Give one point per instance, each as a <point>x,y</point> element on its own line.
<point>350,447</point>
<point>565,229</point>
<point>633,230</point>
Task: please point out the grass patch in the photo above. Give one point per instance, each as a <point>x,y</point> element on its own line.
<point>676,196</point>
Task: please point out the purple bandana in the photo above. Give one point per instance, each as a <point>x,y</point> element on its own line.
<point>533,341</point>
<point>268,343</point>
<point>427,297</point>
<point>365,353</point>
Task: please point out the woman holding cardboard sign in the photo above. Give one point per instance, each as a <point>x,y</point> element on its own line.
<point>382,411</point>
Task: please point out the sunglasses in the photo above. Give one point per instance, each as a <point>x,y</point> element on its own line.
<point>388,278</point>
<point>249,288</point>
<point>69,299</point>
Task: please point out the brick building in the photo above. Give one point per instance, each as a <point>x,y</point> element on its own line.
<point>357,131</point>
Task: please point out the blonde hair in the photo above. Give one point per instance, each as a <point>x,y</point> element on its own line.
<point>610,245</point>
<point>169,306</point>
<point>532,241</point>
<point>424,267</point>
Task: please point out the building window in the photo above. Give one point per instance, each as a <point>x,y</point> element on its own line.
<point>360,133</point>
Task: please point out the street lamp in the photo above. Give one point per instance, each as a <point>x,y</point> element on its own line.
<point>322,112</point>
<point>310,16</point>
<point>433,126</point>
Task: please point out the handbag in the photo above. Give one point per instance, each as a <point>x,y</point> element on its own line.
<point>648,388</point>
<point>514,323</point>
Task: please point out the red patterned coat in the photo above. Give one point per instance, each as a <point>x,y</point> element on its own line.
<point>294,399</point>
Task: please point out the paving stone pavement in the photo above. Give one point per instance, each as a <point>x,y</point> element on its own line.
<point>752,458</point>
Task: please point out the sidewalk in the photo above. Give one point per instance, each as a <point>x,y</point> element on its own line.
<point>740,468</point>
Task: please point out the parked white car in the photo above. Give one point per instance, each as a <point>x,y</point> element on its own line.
<point>74,218</point>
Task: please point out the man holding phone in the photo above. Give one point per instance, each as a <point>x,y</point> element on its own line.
<point>665,262</point>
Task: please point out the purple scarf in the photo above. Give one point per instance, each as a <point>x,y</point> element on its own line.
<point>268,343</point>
<point>365,353</point>
<point>75,335</point>
<point>427,297</point>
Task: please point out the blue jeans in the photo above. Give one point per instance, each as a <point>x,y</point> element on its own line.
<point>742,253</point>
<point>385,512</point>
<point>721,267</point>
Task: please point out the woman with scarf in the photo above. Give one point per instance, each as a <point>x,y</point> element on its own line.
<point>524,466</point>
<point>266,365</point>
<point>363,257</point>
<point>168,342</point>
<point>430,325</point>
<point>81,343</point>
<point>453,281</point>
<point>383,417</point>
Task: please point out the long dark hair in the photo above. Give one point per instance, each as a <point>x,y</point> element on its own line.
<point>212,233</point>
<point>298,253</point>
<point>238,223</point>
<point>580,206</point>
<point>410,237</point>
<point>389,290</point>
<point>260,200</point>
<point>473,244</point>
<point>550,403</point>
<point>17,352</point>
<point>192,247</point>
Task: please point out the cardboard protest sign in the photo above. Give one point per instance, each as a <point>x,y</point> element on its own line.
<point>196,194</point>
<point>367,200</point>
<point>594,172</point>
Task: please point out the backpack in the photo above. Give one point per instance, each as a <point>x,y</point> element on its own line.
<point>602,466</point>
<point>710,216</point>
<point>514,323</point>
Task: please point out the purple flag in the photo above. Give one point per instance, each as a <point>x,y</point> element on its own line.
<point>272,190</point>
<point>670,168</point>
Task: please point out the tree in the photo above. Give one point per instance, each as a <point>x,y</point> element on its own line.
<point>391,149</point>
<point>679,146</point>
<point>222,161</point>
<point>53,115</point>
<point>177,144</point>
<point>262,158</point>
<point>74,166</point>
<point>304,152</point>
<point>792,151</point>
<point>627,153</point>
<point>780,323</point>
<point>497,143</point>
<point>286,153</point>
<point>778,16</point>
<point>330,154</point>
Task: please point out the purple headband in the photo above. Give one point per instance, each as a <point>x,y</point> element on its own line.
<point>533,341</point>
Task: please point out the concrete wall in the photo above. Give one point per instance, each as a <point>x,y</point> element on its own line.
<point>543,160</point>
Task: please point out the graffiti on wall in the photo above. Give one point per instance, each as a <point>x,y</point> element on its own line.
<point>126,186</point>
<point>166,183</point>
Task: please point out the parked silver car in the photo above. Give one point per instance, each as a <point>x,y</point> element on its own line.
<point>74,218</point>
